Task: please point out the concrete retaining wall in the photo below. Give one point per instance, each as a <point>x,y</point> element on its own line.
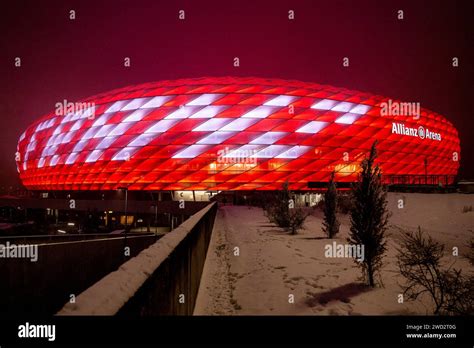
<point>162,280</point>
<point>62,269</point>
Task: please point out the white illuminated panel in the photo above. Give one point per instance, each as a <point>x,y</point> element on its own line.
<point>77,125</point>
<point>72,158</point>
<point>325,104</point>
<point>260,112</point>
<point>271,151</point>
<point>294,152</point>
<point>182,112</point>
<point>80,145</point>
<point>54,160</point>
<point>94,156</point>
<point>205,99</point>
<point>106,142</point>
<point>239,124</point>
<point>268,138</point>
<point>216,138</point>
<point>137,115</point>
<point>348,118</point>
<point>90,133</point>
<point>68,137</point>
<point>117,106</point>
<point>312,127</point>
<point>156,102</point>
<point>102,120</point>
<point>161,126</point>
<point>58,139</point>
<point>120,129</point>
<point>343,107</point>
<point>141,140</point>
<point>212,125</point>
<point>67,118</point>
<point>58,129</point>
<point>41,162</point>
<point>191,151</point>
<point>125,154</point>
<point>282,100</point>
<point>209,111</point>
<point>360,109</point>
<point>135,104</point>
<point>104,130</point>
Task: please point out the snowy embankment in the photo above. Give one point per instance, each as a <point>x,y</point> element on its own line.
<point>254,268</point>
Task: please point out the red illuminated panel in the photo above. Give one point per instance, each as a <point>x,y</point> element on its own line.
<point>229,134</point>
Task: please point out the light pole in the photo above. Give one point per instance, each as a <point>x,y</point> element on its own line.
<point>126,206</point>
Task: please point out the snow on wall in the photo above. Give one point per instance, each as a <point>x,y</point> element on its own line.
<point>111,293</point>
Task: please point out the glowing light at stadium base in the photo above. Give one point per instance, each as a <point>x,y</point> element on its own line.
<point>228,134</point>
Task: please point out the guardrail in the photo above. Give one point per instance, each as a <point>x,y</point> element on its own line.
<point>162,280</point>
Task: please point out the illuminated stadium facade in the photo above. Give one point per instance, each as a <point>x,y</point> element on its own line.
<point>230,134</point>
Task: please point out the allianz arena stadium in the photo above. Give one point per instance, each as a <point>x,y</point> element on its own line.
<point>230,134</point>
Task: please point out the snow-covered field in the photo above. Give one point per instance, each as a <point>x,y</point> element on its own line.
<point>273,267</point>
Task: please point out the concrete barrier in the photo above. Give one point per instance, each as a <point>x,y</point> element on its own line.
<point>162,280</point>
<point>62,269</point>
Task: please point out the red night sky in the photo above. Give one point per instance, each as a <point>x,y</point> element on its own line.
<point>409,59</point>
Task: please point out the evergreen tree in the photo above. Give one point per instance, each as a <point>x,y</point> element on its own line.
<point>369,216</point>
<point>330,223</point>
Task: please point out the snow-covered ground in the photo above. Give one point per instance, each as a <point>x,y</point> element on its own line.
<point>273,267</point>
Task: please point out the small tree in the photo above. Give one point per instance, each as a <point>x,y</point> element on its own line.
<point>369,216</point>
<point>297,219</point>
<point>281,210</point>
<point>330,223</point>
<point>278,208</point>
<point>419,261</point>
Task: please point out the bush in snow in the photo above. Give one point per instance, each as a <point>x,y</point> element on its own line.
<point>419,261</point>
<point>281,210</point>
